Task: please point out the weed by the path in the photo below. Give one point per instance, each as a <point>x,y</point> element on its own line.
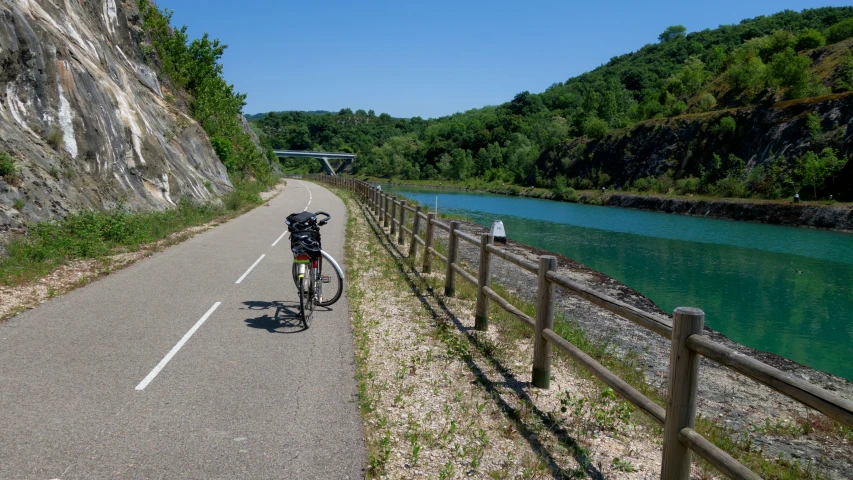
<point>91,234</point>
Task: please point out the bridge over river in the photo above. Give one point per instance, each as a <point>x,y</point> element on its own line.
<point>324,158</point>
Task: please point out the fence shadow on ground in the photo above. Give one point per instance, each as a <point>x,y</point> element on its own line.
<point>438,309</point>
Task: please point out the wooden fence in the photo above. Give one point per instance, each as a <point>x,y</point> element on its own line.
<point>685,331</point>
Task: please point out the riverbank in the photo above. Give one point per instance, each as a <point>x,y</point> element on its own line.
<point>809,214</point>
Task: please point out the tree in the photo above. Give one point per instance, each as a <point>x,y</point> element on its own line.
<point>594,127</point>
<point>840,31</point>
<point>748,77</point>
<point>814,169</point>
<point>672,32</point>
<point>693,75</point>
<point>791,72</point>
<point>809,39</point>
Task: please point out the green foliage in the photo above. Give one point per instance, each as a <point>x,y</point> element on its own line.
<point>671,33</point>
<point>793,73</point>
<point>562,191</point>
<point>687,186</point>
<point>678,108</point>
<point>502,143</point>
<point>8,170</point>
<point>594,127</point>
<point>726,125</point>
<point>55,138</point>
<point>814,170</point>
<point>729,187</point>
<point>748,76</point>
<point>706,102</point>
<point>194,67</point>
<point>808,39</point>
<point>845,73</point>
<point>840,31</point>
<point>813,126</point>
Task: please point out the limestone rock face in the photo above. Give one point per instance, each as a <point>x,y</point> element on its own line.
<point>86,119</point>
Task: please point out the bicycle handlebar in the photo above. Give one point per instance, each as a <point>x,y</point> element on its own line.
<point>324,221</point>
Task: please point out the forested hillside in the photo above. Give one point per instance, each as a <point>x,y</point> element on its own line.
<point>786,71</point>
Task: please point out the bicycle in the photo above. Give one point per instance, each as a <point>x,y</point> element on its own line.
<point>308,260</point>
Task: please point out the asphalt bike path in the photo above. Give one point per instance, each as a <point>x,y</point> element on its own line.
<point>170,368</point>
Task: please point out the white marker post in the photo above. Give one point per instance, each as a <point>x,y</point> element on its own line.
<point>497,234</point>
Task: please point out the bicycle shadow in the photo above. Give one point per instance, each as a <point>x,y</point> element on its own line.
<point>278,317</point>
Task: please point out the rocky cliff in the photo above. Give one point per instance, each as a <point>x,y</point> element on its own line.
<point>86,120</point>
<point>687,144</point>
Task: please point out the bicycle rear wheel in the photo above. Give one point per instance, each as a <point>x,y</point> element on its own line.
<point>306,298</point>
<point>330,285</point>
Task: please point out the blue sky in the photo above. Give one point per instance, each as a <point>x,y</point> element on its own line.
<point>432,59</point>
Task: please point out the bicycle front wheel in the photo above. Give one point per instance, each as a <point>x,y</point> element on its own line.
<point>330,284</point>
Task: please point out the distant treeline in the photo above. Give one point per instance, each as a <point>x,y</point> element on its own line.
<point>760,60</point>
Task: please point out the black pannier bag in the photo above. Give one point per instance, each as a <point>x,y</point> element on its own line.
<point>301,221</point>
<point>304,233</point>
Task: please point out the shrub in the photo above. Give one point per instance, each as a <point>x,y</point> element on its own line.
<point>54,138</point>
<point>748,77</point>
<point>755,179</point>
<point>562,190</point>
<point>687,185</point>
<point>730,187</point>
<point>664,183</point>
<point>726,125</point>
<point>706,102</point>
<point>840,31</point>
<point>813,125</point>
<point>643,184</point>
<point>594,127</point>
<point>8,170</point>
<point>678,108</point>
<point>586,184</point>
<point>845,73</point>
<point>809,39</point>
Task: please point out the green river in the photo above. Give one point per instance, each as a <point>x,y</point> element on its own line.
<point>779,289</point>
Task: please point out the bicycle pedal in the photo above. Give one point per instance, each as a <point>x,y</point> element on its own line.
<point>325,279</point>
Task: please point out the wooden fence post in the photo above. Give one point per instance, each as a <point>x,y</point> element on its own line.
<point>544,319</point>
<point>416,225</point>
<point>430,231</point>
<point>400,238</point>
<point>393,215</point>
<point>385,212</point>
<point>681,398</point>
<point>452,253</point>
<point>481,314</point>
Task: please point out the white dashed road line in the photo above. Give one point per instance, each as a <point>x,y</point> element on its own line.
<point>278,239</point>
<point>310,196</point>
<point>250,268</point>
<point>144,383</point>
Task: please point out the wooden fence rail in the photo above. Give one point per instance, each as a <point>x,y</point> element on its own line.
<point>685,332</point>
